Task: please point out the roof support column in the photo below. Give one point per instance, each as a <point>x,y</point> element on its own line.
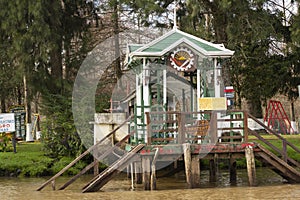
<point>146,91</point>
<point>164,88</point>
<point>198,87</point>
<point>217,74</point>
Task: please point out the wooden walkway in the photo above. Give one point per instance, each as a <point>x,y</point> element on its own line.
<point>180,143</point>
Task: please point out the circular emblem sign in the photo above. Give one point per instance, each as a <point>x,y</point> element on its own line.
<point>182,59</point>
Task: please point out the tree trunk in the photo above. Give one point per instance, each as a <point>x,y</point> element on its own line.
<point>115,20</point>
<point>27,101</point>
<point>293,118</point>
<point>3,105</point>
<point>254,107</point>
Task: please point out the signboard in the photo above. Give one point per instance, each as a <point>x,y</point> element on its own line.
<point>213,103</point>
<point>7,122</point>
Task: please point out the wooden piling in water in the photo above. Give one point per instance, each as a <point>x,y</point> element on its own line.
<point>250,165</point>
<point>153,171</point>
<point>146,172</point>
<point>232,169</point>
<point>195,171</point>
<point>187,163</point>
<point>212,171</point>
<point>138,172</point>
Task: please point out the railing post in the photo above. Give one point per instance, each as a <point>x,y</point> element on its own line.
<point>148,128</point>
<point>181,128</point>
<point>213,130</point>
<point>245,126</point>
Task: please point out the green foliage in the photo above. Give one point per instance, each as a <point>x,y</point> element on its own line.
<point>59,134</point>
<point>5,143</point>
<point>28,161</point>
<point>63,162</point>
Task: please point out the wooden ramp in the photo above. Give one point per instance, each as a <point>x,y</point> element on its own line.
<point>278,165</point>
<point>100,180</point>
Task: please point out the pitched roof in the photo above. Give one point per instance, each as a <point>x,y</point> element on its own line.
<point>175,37</point>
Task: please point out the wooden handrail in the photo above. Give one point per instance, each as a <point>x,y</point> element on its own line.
<point>274,133</point>
<point>82,155</point>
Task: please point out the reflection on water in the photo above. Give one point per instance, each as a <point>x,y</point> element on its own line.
<point>270,187</point>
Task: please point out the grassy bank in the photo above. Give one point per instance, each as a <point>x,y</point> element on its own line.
<point>30,160</point>
<point>294,139</point>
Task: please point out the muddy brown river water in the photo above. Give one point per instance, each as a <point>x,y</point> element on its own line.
<point>270,186</point>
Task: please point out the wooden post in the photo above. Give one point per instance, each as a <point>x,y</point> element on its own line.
<point>146,172</point>
<point>132,176</point>
<point>181,128</point>
<point>149,134</point>
<point>250,165</point>
<point>232,170</point>
<point>213,129</point>
<point>53,184</point>
<point>153,170</point>
<point>138,172</point>
<point>128,171</point>
<point>212,171</point>
<point>195,165</point>
<point>96,167</point>
<point>187,163</point>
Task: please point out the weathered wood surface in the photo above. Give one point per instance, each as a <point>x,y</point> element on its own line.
<point>153,170</point>
<point>81,156</point>
<point>146,172</point>
<point>250,165</point>
<point>195,171</point>
<point>105,176</point>
<point>187,163</point>
<point>280,166</point>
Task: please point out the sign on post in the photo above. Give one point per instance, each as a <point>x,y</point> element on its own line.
<point>7,122</point>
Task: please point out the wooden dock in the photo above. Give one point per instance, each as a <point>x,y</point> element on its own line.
<point>180,140</point>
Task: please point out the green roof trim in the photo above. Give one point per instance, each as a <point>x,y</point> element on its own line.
<point>174,37</point>
<point>134,47</point>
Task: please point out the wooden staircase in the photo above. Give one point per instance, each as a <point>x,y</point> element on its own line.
<point>278,165</point>
<point>100,180</point>
<point>277,159</point>
<point>88,151</point>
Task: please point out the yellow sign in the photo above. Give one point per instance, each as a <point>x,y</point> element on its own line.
<point>212,103</point>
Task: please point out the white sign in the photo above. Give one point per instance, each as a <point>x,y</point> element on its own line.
<point>7,122</point>
<point>299,90</point>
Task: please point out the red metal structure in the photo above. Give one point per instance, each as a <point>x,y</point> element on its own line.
<point>277,118</point>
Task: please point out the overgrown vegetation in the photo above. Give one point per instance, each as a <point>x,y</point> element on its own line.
<point>30,160</point>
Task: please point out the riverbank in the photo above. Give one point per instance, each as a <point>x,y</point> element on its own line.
<point>31,161</point>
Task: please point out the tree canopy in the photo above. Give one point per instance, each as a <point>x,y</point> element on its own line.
<point>43,44</point>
